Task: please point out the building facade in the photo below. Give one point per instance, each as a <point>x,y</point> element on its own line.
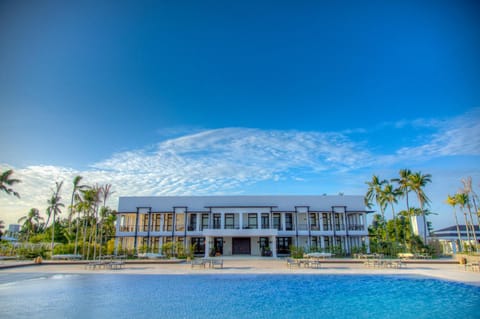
<point>242,225</point>
<point>455,240</point>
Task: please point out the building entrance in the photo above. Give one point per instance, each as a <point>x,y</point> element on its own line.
<point>241,246</point>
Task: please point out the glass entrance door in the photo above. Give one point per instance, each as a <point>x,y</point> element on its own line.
<point>218,245</point>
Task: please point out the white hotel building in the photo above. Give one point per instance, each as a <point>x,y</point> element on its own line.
<point>242,225</point>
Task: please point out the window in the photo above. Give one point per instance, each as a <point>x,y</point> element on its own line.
<point>338,222</point>
<point>313,221</point>
<point>326,241</point>
<point>198,245</point>
<point>252,221</point>
<point>216,221</point>
<point>283,245</point>
<point>168,226</point>
<point>229,221</point>
<point>180,221</point>
<point>265,221</point>
<point>154,244</point>
<point>193,222</point>
<point>326,221</point>
<point>156,222</point>
<point>288,221</point>
<point>204,221</point>
<point>145,222</point>
<point>277,221</point>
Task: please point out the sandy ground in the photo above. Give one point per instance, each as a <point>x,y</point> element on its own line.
<point>452,272</point>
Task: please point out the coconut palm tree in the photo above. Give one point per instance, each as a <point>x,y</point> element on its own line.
<point>31,221</point>
<point>467,188</point>
<point>389,196</point>
<point>75,197</point>
<point>6,182</point>
<point>418,181</point>
<point>462,199</point>
<point>89,203</point>
<point>374,193</point>
<point>105,192</point>
<point>404,183</point>
<point>472,227</point>
<point>452,201</point>
<point>54,207</point>
<point>2,226</point>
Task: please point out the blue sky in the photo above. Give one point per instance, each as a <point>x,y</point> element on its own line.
<point>211,97</point>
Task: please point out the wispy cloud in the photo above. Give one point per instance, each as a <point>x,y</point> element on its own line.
<point>228,160</point>
<point>458,136</point>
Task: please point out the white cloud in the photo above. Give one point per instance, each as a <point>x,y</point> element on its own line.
<point>208,162</point>
<point>229,160</point>
<point>458,136</point>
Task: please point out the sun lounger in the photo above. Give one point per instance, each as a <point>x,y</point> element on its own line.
<point>474,266</point>
<point>96,264</point>
<point>291,263</point>
<point>216,263</point>
<point>314,264</point>
<point>198,263</point>
<point>115,265</point>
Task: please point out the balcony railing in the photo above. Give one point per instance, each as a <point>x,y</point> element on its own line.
<point>300,227</point>
<point>127,228</point>
<point>356,227</point>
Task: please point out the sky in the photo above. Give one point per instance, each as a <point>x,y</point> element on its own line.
<point>238,97</point>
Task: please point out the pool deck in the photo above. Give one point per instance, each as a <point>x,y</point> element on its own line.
<point>440,269</point>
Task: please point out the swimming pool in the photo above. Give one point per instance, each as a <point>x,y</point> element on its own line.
<point>234,296</point>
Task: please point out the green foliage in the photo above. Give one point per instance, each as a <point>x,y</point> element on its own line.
<point>33,252</point>
<point>111,247</point>
<point>173,249</point>
<point>296,252</point>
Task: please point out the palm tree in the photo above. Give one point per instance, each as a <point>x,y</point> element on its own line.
<point>89,206</point>
<point>472,227</point>
<point>404,183</point>
<point>6,182</point>
<point>452,201</point>
<point>2,226</point>
<point>106,192</point>
<point>462,199</point>
<point>467,188</point>
<point>75,196</point>
<point>389,196</point>
<point>31,221</point>
<point>374,192</point>
<point>418,181</point>
<point>54,207</point>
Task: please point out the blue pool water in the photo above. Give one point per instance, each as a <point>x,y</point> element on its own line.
<point>234,296</point>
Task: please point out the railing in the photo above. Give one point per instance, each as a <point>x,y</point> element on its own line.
<point>356,227</point>
<point>127,228</point>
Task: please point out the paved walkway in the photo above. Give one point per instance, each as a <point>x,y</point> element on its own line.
<point>435,269</point>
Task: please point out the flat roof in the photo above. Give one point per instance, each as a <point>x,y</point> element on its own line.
<point>278,202</point>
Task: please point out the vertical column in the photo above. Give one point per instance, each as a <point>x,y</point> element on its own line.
<point>136,231</point>
<point>162,221</point>
<point>207,245</point>
<point>282,220</point>
<point>240,220</point>
<point>273,246</point>
<point>259,220</point>
<point>199,221</point>
<point>222,220</point>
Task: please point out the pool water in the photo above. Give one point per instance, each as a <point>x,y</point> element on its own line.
<point>234,296</point>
